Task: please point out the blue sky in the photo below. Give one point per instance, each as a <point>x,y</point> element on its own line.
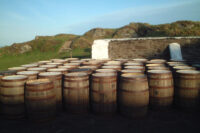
<point>22,20</point>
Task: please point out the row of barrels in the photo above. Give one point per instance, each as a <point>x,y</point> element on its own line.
<point>102,85</point>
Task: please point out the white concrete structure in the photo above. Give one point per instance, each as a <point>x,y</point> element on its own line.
<point>175,52</point>
<point>100,49</point>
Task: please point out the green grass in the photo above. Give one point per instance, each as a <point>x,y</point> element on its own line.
<point>7,61</point>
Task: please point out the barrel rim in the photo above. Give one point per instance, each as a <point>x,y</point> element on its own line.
<point>102,75</point>
<point>36,69</point>
<point>27,73</point>
<point>192,72</point>
<point>37,82</point>
<point>159,72</point>
<point>9,78</point>
<point>50,74</point>
<point>17,68</point>
<point>78,74</point>
<point>47,66</point>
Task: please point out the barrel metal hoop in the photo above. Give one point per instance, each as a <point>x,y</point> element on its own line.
<point>161,87</point>
<point>75,80</point>
<point>39,90</point>
<point>100,92</point>
<point>121,90</point>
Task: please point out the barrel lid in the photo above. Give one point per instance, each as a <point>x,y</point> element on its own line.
<point>134,67</point>
<point>90,67</point>
<point>78,74</point>
<point>54,63</point>
<point>38,81</point>
<point>57,70</point>
<point>133,76</point>
<point>70,59</point>
<point>27,72</point>
<point>92,62</point>
<point>183,67</point>
<point>9,72</point>
<point>30,65</point>
<point>37,69</point>
<point>65,67</point>
<point>59,60</point>
<point>17,68</point>
<point>44,61</point>
<point>47,66</point>
<point>50,74</point>
<point>188,71</point>
<point>72,64</point>
<point>153,65</point>
<point>133,64</point>
<point>112,63</point>
<point>140,59</point>
<point>106,70</point>
<point>104,75</point>
<point>132,71</point>
<point>110,67</point>
<point>15,77</point>
<point>76,61</point>
<point>159,71</point>
<point>80,70</point>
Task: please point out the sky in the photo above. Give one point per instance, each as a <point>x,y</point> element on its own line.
<point>22,20</point>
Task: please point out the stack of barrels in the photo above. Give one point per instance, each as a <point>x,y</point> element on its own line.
<point>130,86</point>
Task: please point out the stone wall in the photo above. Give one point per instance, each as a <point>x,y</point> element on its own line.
<point>153,47</point>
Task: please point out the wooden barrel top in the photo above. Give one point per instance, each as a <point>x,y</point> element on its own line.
<point>47,66</point>
<point>104,75</point>
<point>106,71</point>
<point>17,68</point>
<point>37,69</point>
<point>30,65</point>
<point>57,70</point>
<point>79,74</point>
<point>27,73</point>
<point>44,62</point>
<point>161,72</point>
<point>50,74</point>
<point>54,63</point>
<point>71,64</point>
<point>14,78</point>
<point>37,82</point>
<point>133,64</point>
<point>188,72</point>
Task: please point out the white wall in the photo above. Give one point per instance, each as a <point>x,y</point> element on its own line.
<point>100,49</point>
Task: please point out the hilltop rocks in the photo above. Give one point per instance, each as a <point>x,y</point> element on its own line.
<point>65,47</point>
<point>25,48</point>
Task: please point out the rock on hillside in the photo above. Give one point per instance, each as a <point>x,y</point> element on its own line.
<point>61,41</point>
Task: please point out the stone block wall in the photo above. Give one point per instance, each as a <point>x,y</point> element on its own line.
<point>151,47</point>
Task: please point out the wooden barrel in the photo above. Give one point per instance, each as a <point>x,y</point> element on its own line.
<point>62,70</point>
<point>77,61</point>
<point>59,61</point>
<point>158,68</point>
<point>48,66</point>
<point>76,92</point>
<point>142,60</point>
<point>113,63</point>
<point>133,64</point>
<point>38,69</point>
<point>187,86</point>
<point>92,63</point>
<point>18,69</point>
<point>82,70</point>
<point>44,62</point>
<point>155,65</point>
<point>30,74</point>
<point>56,78</point>
<point>12,96</point>
<point>89,67</point>
<point>157,61</point>
<point>106,71</point>
<point>104,93</point>
<point>7,73</point>
<point>72,65</point>
<point>67,67</point>
<point>133,97</point>
<point>30,65</point>
<point>55,63</point>
<point>117,68</point>
<point>141,68</point>
<point>122,61</point>
<point>161,88</point>
<point>40,100</point>
<point>134,72</point>
<point>72,59</point>
<point>175,68</point>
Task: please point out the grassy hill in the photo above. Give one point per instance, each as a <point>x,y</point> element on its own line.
<point>47,47</point>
